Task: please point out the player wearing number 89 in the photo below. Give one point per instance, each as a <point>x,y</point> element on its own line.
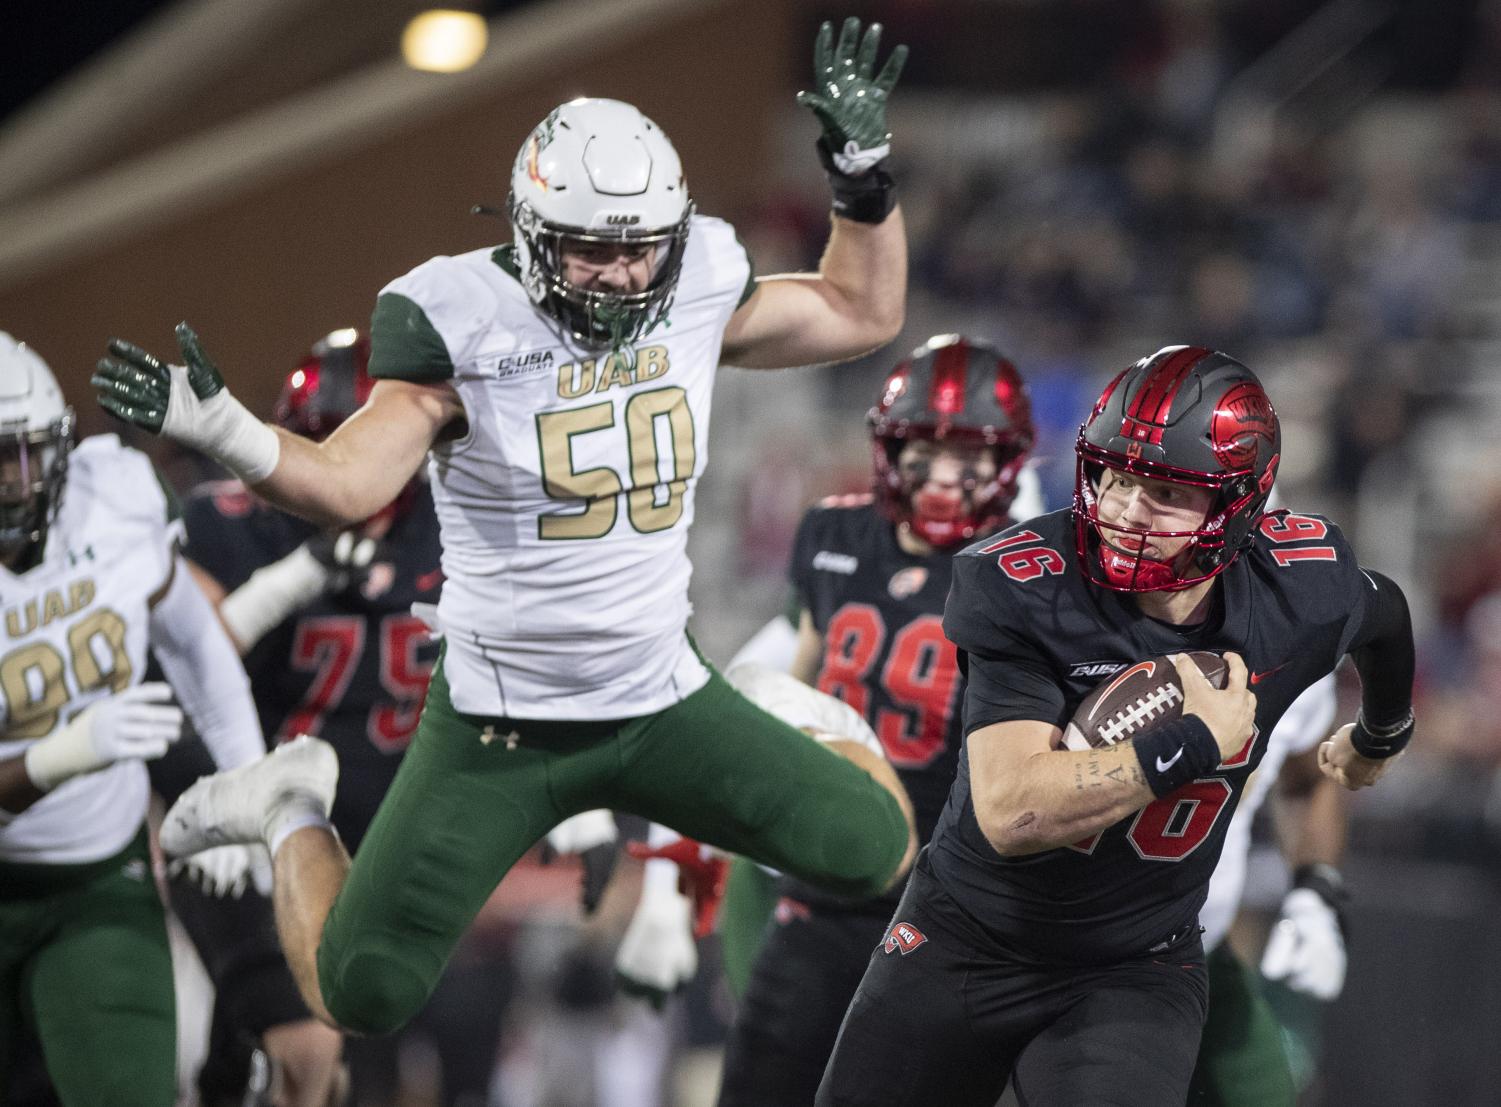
<point>1049,933</point>
<point>560,386</point>
<point>950,434</point>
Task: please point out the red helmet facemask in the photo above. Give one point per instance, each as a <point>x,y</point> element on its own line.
<point>953,391</point>
<point>1186,416</point>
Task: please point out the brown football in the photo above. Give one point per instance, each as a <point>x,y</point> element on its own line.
<point>1136,699</point>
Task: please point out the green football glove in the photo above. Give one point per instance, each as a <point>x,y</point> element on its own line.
<point>849,102</point>
<point>187,403</point>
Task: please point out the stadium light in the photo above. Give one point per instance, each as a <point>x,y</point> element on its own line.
<point>444,40</point>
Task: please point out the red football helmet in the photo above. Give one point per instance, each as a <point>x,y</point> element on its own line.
<point>327,387</point>
<point>958,390</point>
<point>1190,416</point>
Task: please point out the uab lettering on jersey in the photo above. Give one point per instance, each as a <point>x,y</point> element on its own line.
<point>33,675</point>
<point>653,420</point>
<point>622,368</point>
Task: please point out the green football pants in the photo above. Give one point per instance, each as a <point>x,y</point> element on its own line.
<point>750,896</point>
<point>1242,1062</point>
<point>473,794</point>
<point>84,963</point>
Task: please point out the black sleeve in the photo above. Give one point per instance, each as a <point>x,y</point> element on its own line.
<point>800,568</point>
<point>1007,679</point>
<point>1383,653</point>
<point>217,543</point>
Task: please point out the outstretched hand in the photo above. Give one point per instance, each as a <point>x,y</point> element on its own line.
<point>851,103</point>
<point>1228,712</point>
<point>134,385</point>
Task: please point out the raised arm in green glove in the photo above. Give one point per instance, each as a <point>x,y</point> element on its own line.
<point>187,403</point>
<point>851,103</point>
<point>851,106</point>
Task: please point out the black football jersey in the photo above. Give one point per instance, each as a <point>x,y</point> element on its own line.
<point>351,667</point>
<point>879,610</point>
<point>1034,638</point>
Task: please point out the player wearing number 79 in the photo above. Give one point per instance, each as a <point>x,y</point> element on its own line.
<point>559,387</point>
<point>1049,933</point>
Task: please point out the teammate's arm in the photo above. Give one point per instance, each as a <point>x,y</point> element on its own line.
<point>857,300</point>
<point>203,667</point>
<point>347,477</point>
<point>1306,948</point>
<point>809,654</point>
<point>1031,796</point>
<point>1382,649</point>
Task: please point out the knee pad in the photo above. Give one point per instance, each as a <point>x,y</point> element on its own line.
<point>372,991</point>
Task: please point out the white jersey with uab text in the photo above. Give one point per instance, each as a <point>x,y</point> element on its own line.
<point>1305,725</point>
<point>564,511</point>
<point>73,631</point>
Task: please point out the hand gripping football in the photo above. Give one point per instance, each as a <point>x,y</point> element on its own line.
<point>1136,699</point>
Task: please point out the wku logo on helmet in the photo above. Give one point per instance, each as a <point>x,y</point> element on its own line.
<point>903,938</point>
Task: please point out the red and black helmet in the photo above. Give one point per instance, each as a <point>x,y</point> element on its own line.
<point>327,387</point>
<point>957,390</point>
<point>1186,415</point>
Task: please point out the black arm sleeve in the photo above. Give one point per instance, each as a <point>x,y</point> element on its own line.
<point>1383,653</point>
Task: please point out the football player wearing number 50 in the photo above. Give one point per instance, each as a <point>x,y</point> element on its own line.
<point>1049,933</point>
<point>559,387</point>
<point>90,577</point>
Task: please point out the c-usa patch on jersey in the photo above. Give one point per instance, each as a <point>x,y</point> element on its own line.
<point>1096,669</point>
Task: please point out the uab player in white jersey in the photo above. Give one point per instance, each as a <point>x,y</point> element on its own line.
<point>560,392</point>
<point>89,577</point>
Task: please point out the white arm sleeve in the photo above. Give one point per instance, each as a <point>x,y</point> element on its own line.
<point>774,645</point>
<point>203,667</point>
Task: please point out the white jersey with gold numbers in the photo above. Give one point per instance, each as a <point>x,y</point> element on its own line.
<point>565,509</point>
<point>73,631</point>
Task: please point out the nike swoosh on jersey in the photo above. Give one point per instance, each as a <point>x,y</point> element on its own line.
<point>1164,766</point>
<point>429,580</point>
<point>1257,678</point>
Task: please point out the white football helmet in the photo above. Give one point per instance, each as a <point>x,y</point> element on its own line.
<point>36,434</point>
<point>598,171</point>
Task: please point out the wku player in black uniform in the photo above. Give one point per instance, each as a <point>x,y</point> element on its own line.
<point>1050,929</point>
<point>951,433</point>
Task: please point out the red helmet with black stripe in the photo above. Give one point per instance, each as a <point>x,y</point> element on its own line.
<point>327,387</point>
<point>1186,415</point>
<point>952,389</point>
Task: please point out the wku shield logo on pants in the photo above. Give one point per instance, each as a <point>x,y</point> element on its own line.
<point>903,938</point>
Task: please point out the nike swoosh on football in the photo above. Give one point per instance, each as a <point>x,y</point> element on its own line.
<point>1164,766</point>
<point>1257,678</point>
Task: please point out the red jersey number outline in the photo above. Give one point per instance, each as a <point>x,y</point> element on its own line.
<point>1283,527</point>
<point>330,647</point>
<point>921,674</point>
<point>1029,562</point>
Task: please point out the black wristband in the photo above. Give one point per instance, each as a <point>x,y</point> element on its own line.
<point>1328,883</point>
<point>1379,743</point>
<point>1175,752</point>
<point>867,198</point>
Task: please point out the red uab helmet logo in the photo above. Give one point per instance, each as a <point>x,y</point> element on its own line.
<point>1242,420</point>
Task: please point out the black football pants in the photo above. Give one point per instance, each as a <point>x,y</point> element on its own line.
<point>945,1016</point>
